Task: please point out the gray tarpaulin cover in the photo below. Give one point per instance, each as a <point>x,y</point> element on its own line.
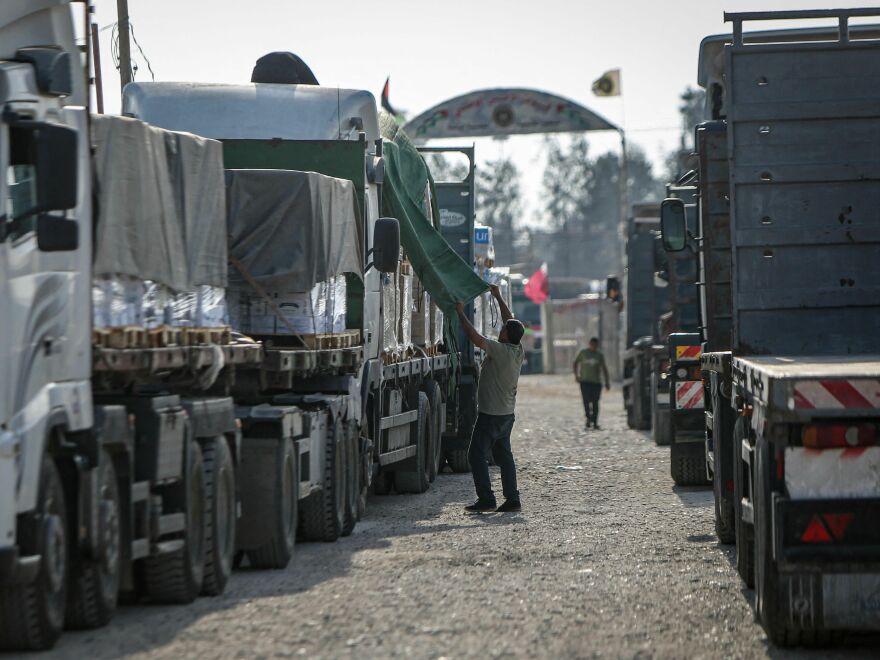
<point>160,204</point>
<point>290,229</point>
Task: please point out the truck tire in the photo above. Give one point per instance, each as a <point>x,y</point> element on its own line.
<point>458,460</point>
<point>724,522</point>
<point>220,509</point>
<point>435,453</point>
<point>365,467</point>
<point>93,590</point>
<point>688,464</point>
<point>383,483</point>
<point>282,512</point>
<point>32,615</point>
<point>416,480</point>
<point>744,533</point>
<point>661,426</point>
<point>177,577</point>
<point>724,513</point>
<point>352,478</point>
<point>322,513</point>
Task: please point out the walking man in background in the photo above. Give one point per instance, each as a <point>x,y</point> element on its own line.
<point>496,399</point>
<point>590,371</point>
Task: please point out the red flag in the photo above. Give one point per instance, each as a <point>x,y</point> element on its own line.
<point>386,104</point>
<point>536,287</point>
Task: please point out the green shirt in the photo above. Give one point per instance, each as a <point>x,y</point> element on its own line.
<point>590,367</point>
<point>496,393</point>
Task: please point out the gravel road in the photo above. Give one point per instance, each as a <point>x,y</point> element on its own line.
<point>606,560</point>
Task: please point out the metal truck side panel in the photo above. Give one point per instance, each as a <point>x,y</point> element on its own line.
<point>715,267</point>
<point>806,276</point>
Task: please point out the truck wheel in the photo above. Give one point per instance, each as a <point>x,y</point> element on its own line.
<point>352,479</point>
<point>383,483</point>
<point>177,577</point>
<point>416,480</point>
<point>365,466</point>
<point>458,460</point>
<point>724,522</point>
<point>435,454</point>
<point>661,426</point>
<point>94,585</point>
<point>323,512</point>
<point>744,533</point>
<point>32,615</point>
<point>282,513</point>
<point>688,464</point>
<point>220,505</point>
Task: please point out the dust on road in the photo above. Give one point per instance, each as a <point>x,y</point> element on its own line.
<point>606,560</point>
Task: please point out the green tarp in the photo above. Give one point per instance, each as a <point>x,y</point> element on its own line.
<point>443,273</point>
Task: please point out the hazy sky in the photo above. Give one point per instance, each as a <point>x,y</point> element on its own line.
<point>433,51</point>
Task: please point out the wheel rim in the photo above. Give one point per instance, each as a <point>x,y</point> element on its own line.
<point>55,559</point>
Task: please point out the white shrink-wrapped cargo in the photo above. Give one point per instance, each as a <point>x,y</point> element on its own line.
<point>421,319</point>
<point>158,305</point>
<point>319,311</point>
<point>117,301</point>
<point>390,313</point>
<point>406,307</point>
<point>436,324</point>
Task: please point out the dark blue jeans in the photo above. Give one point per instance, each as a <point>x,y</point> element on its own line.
<point>492,435</point>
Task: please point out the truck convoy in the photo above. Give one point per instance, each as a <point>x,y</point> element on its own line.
<point>145,446</point>
<point>788,246</point>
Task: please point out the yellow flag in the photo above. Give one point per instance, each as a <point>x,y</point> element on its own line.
<point>608,84</point>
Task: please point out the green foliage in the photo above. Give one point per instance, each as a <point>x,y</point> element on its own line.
<point>499,204</point>
<point>582,202</point>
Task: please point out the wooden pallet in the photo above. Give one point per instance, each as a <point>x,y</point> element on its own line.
<point>164,336</point>
<point>201,336</point>
<point>120,337</point>
<point>347,339</point>
<point>431,350</point>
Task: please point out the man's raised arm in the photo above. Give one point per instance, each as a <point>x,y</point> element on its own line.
<point>476,338</point>
<point>505,310</point>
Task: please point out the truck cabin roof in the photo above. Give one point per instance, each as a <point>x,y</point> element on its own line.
<point>254,111</point>
<point>710,67</point>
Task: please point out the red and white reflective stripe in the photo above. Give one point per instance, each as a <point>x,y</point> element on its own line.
<point>836,394</point>
<point>689,394</point>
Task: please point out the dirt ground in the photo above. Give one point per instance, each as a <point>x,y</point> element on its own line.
<point>606,559</point>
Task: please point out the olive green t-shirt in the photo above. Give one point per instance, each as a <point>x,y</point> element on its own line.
<point>590,366</point>
<point>496,393</point>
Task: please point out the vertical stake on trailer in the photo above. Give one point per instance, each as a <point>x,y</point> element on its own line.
<point>96,59</point>
<point>124,44</point>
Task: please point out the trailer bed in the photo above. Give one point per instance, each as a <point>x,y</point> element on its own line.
<point>804,387</point>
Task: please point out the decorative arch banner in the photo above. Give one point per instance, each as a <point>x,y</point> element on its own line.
<point>499,112</point>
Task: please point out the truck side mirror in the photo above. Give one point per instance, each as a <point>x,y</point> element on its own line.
<point>57,234</point>
<point>673,226</point>
<point>386,244</point>
<point>57,167</point>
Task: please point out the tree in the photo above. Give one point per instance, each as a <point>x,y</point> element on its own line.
<point>692,112</point>
<point>499,204</point>
<point>582,201</point>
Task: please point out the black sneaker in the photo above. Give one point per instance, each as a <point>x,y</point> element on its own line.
<point>509,507</point>
<point>480,506</point>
